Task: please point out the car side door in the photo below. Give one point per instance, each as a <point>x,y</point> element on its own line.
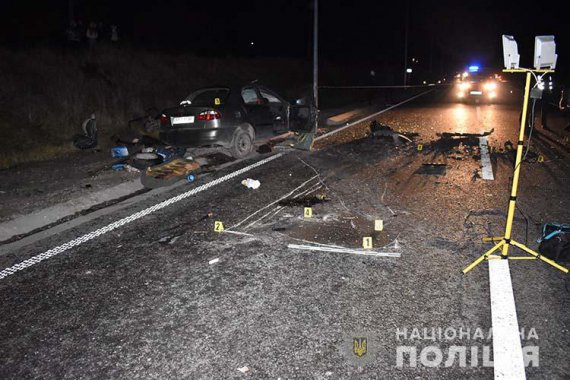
<point>278,108</point>
<point>258,112</point>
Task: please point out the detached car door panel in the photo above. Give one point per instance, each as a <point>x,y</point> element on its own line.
<point>303,118</point>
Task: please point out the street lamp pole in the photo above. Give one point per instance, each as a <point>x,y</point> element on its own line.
<point>316,54</point>
<point>406,42</point>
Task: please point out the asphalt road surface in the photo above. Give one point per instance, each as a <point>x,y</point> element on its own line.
<point>167,297</point>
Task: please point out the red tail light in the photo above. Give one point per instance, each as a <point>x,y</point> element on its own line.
<point>164,118</point>
<point>209,115</point>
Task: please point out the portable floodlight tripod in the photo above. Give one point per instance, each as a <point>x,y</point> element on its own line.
<point>504,242</point>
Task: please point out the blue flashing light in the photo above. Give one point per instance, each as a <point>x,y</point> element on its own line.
<point>473,69</point>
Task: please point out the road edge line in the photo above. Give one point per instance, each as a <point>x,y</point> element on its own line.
<point>508,361</point>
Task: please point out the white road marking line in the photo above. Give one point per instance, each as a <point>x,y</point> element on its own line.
<point>507,350</point>
<point>486,166</point>
<point>119,223</point>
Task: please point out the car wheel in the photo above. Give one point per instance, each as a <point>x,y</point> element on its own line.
<point>242,144</point>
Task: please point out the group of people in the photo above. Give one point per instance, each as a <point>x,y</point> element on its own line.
<point>77,32</point>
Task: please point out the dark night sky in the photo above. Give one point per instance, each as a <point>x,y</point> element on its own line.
<point>452,33</point>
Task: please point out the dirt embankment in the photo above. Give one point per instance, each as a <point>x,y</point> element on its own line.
<point>46,94</point>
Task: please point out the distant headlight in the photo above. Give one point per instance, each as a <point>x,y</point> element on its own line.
<point>463,86</point>
<point>490,86</point>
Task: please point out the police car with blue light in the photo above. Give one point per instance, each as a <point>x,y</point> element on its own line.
<point>478,85</point>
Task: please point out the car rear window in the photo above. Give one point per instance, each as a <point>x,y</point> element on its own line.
<point>208,97</point>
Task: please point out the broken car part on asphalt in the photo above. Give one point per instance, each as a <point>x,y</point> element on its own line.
<point>326,248</point>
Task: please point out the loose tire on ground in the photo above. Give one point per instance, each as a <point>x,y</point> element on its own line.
<point>144,160</point>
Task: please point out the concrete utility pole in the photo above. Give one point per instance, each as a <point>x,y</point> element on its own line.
<point>316,54</point>
<point>70,13</point>
<point>406,42</point>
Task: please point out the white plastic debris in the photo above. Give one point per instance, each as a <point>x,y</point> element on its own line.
<point>213,261</point>
<point>251,183</point>
<point>131,169</point>
<point>243,369</point>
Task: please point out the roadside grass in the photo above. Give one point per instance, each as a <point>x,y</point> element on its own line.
<point>39,153</point>
<point>47,93</point>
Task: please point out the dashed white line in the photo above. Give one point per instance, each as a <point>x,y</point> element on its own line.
<point>486,166</point>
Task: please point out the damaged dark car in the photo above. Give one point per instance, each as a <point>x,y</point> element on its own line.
<point>234,118</point>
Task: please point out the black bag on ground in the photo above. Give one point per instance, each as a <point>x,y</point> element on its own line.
<point>555,242</point>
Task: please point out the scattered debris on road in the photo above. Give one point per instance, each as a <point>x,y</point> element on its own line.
<point>168,173</point>
<point>305,201</point>
<point>243,369</point>
<point>251,183</point>
<point>329,248</point>
<point>378,130</point>
<point>432,168</point>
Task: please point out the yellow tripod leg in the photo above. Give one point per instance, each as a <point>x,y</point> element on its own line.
<point>492,239</point>
<point>538,256</point>
<point>483,257</point>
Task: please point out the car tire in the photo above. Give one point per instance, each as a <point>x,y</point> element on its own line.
<point>142,161</point>
<point>242,143</point>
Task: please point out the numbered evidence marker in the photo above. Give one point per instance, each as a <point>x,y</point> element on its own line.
<point>217,101</point>
<point>308,213</point>
<point>420,147</point>
<point>367,242</point>
<point>541,158</point>
<point>567,139</point>
<point>218,226</point>
<point>378,225</point>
